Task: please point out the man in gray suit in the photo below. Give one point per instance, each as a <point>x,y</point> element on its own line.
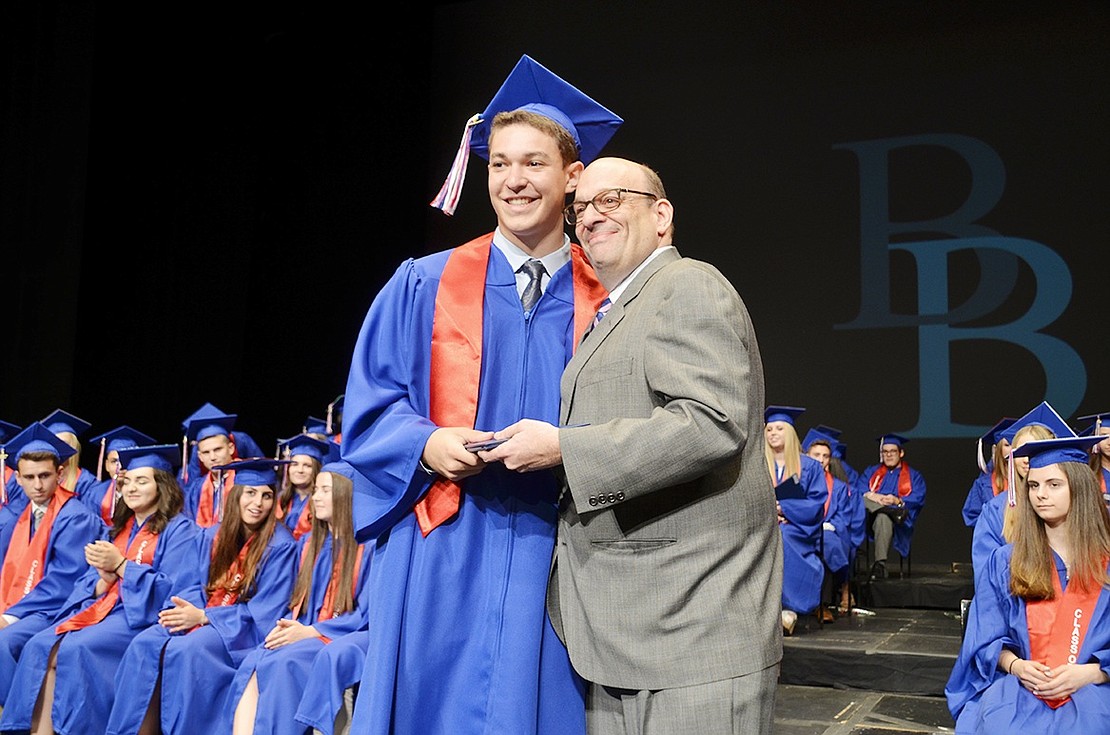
<point>667,575</point>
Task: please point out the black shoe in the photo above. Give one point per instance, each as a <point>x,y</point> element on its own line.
<point>878,570</point>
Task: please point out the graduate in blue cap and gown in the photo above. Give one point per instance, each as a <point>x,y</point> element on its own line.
<point>243,570</point>
<point>306,456</point>
<point>206,490</point>
<point>843,509</point>
<point>457,345</point>
<point>42,552</point>
<point>243,445</point>
<point>70,664</point>
<point>893,496</point>
<point>800,492</point>
<point>1036,653</point>
<point>994,475</point>
<point>69,429</point>
<point>325,605</point>
<point>996,522</point>
<point>102,498</point>
<point>9,488</point>
<point>1100,455</point>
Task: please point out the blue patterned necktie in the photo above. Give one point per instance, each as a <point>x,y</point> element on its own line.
<point>601,312</point>
<point>532,291</point>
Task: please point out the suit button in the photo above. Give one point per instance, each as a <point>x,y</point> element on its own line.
<point>620,496</point>
<point>612,497</point>
<point>602,500</point>
<point>593,500</point>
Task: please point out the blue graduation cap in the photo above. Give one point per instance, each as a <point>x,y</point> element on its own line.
<point>209,423</point>
<point>989,439</point>
<point>7,431</point>
<point>159,456</point>
<point>1054,451</point>
<point>340,467</point>
<point>828,431</point>
<point>122,438</point>
<point>531,86</point>
<point>313,425</point>
<point>36,438</point>
<point>840,450</point>
<point>782,413</point>
<point>1042,415</point>
<point>206,410</point>
<point>60,421</point>
<point>321,451</point>
<point>895,439</point>
<point>1097,419</point>
<point>255,472</point>
<point>335,415</point>
<point>813,435</point>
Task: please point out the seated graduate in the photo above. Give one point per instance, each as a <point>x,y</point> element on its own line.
<point>843,513</point>
<point>102,498</point>
<point>893,496</point>
<point>177,673</point>
<point>69,429</point>
<point>306,455</point>
<point>205,492</point>
<point>1036,653</point>
<point>42,551</point>
<point>1100,455</point>
<point>63,678</point>
<point>9,488</point>
<point>997,521</point>
<point>316,428</point>
<point>268,686</point>
<point>243,446</point>
<point>801,510</point>
<point>333,423</point>
<point>994,475</point>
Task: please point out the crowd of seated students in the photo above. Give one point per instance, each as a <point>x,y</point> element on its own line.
<point>178,583</point>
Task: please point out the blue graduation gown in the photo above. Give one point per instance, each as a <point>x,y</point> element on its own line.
<point>983,699</point>
<point>74,526</point>
<point>87,658</point>
<point>840,514</point>
<point>981,493</point>
<point>802,568</point>
<point>295,509</point>
<point>198,666</point>
<point>284,672</point>
<point>336,668</point>
<point>987,535</point>
<point>914,502</point>
<point>459,637</point>
<point>93,498</point>
<point>85,483</point>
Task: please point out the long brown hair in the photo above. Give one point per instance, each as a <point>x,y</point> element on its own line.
<point>342,532</point>
<point>1030,433</point>
<point>231,537</point>
<point>170,502</point>
<point>1088,536</point>
<point>287,489</point>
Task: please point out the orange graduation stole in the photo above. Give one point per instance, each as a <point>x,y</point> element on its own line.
<point>1058,626</point>
<point>905,485</point>
<point>828,496</point>
<point>304,522</point>
<point>228,590</point>
<point>108,503</point>
<point>206,512</point>
<point>23,567</point>
<point>456,359</point>
<point>143,544</point>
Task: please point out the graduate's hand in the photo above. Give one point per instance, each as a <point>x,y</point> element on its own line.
<point>288,631</point>
<point>183,616</point>
<point>1033,675</point>
<point>103,555</point>
<point>532,445</point>
<point>1066,679</point>
<point>446,455</point>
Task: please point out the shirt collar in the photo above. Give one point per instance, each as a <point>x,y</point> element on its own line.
<point>619,288</point>
<point>517,257</point>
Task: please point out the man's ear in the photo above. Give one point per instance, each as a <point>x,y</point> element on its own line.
<point>574,173</point>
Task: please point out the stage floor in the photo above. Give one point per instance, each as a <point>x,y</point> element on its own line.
<point>802,710</point>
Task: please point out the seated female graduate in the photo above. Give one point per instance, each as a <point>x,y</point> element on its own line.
<point>996,523</point>
<point>60,680</point>
<point>103,496</point>
<point>1100,455</point>
<point>840,515</point>
<point>1036,653</point>
<point>800,492</point>
<point>324,606</point>
<point>243,571</point>
<point>306,455</point>
<point>993,475</point>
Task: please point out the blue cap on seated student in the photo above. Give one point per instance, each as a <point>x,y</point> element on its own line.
<point>840,451</point>
<point>62,422</point>
<point>210,424</point>
<point>1099,421</point>
<point>1041,415</point>
<point>7,431</point>
<point>36,438</point>
<point>334,420</point>
<point>788,414</point>
<point>1054,451</point>
<point>121,438</point>
<point>313,425</point>
<point>340,467</point>
<point>531,86</point>
<point>320,450</point>
<point>164,457</point>
<point>813,435</point>
<point>895,439</point>
<point>256,472</point>
<point>828,430</point>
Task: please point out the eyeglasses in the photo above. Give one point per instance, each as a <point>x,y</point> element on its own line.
<point>605,201</point>
<point>889,452</point>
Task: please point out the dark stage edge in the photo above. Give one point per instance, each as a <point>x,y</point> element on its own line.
<point>933,587</point>
<point>801,710</point>
<point>893,650</point>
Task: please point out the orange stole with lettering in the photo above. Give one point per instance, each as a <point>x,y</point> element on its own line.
<point>144,545</point>
<point>206,512</point>
<point>456,363</point>
<point>23,568</point>
<point>1058,626</point>
<point>228,593</point>
<point>905,484</point>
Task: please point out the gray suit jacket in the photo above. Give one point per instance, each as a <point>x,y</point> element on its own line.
<point>668,562</point>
